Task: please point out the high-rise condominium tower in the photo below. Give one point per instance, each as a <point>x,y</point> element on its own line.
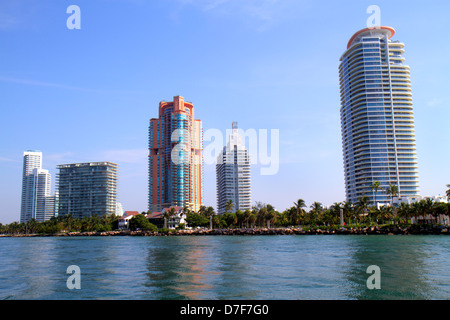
<point>175,157</point>
<point>377,122</point>
<point>35,188</point>
<point>233,174</point>
<point>87,189</point>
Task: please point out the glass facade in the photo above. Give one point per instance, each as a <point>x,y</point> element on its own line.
<point>377,121</point>
<point>175,157</point>
<point>233,175</point>
<point>35,188</point>
<point>87,189</point>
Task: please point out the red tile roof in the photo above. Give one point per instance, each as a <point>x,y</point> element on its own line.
<point>131,213</point>
<point>154,215</point>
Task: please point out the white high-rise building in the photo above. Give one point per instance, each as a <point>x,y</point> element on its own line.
<point>233,174</point>
<point>377,119</point>
<point>36,183</point>
<point>41,187</point>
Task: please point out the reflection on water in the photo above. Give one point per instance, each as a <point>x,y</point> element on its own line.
<point>226,267</point>
<point>405,263</point>
<point>178,269</point>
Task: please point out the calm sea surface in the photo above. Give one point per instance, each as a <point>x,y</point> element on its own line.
<point>226,267</point>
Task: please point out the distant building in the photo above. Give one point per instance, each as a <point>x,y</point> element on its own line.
<point>124,221</point>
<point>157,218</point>
<point>175,166</point>
<point>51,206</point>
<point>36,184</point>
<point>87,189</point>
<point>119,209</point>
<point>410,200</point>
<point>233,174</point>
<point>444,219</point>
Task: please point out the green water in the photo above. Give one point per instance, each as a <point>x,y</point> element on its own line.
<point>226,267</point>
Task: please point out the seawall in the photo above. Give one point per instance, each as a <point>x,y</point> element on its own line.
<point>376,230</point>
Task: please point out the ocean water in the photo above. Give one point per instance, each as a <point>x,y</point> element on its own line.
<point>226,267</point>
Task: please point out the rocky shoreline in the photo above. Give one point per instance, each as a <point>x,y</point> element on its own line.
<point>376,230</point>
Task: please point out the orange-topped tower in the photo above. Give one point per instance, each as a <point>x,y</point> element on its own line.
<point>175,157</point>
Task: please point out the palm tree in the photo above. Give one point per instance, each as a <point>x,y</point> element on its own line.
<point>315,212</point>
<point>348,210</point>
<point>258,205</point>
<point>335,211</point>
<point>404,211</point>
<point>270,215</point>
<point>417,210</point>
<point>392,191</point>
<point>240,218</point>
<point>299,211</point>
<point>168,214</point>
<point>374,187</point>
<point>386,212</point>
<point>262,213</point>
<point>252,218</point>
<point>439,209</point>
<point>186,210</point>
<point>202,210</point>
<point>362,206</point>
<point>209,213</point>
<point>247,214</point>
<point>229,206</point>
<point>428,207</point>
<point>68,219</point>
<point>448,192</point>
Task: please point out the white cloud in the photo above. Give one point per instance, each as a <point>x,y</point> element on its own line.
<point>44,84</point>
<point>434,102</point>
<point>4,159</point>
<point>260,14</point>
<point>7,21</point>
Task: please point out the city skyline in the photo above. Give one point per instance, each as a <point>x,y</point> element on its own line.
<point>266,72</point>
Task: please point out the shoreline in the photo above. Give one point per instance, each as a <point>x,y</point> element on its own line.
<point>374,230</point>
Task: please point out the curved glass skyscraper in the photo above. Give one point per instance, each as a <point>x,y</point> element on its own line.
<point>377,121</point>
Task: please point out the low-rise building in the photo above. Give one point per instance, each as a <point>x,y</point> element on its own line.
<point>157,217</point>
<point>124,221</point>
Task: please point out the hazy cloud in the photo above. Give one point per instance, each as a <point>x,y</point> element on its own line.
<point>43,84</point>
<point>260,14</point>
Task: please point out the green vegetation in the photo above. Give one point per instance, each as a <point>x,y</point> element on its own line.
<point>356,215</point>
<point>140,222</point>
<point>63,224</point>
<point>261,215</point>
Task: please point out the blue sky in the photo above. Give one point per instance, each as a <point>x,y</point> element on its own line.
<point>87,95</point>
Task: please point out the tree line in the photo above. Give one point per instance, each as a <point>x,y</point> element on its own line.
<point>59,224</point>
<point>360,213</point>
<point>260,215</point>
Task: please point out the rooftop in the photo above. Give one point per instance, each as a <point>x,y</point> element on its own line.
<point>369,31</point>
